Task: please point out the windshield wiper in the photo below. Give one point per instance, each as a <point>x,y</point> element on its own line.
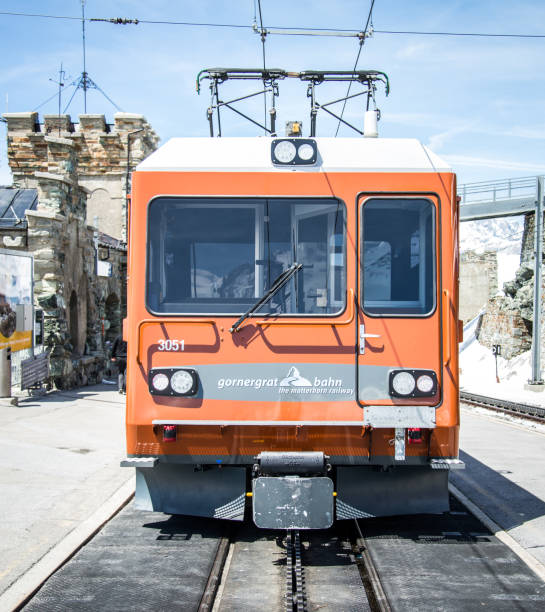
<point>278,283</point>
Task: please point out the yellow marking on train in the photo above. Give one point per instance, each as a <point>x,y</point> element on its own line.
<point>249,494</point>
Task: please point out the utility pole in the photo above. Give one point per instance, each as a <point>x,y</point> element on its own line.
<point>60,83</point>
<point>84,82</point>
<point>536,331</point>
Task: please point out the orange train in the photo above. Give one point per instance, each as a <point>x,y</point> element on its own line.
<point>292,329</point>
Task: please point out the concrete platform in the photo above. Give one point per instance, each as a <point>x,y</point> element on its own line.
<point>504,475</point>
<point>59,463</point>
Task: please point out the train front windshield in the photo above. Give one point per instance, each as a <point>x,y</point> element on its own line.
<point>220,255</point>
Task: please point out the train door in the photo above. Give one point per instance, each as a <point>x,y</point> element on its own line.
<point>399,311</point>
<point>399,358</point>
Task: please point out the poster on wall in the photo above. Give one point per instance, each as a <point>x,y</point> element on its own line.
<point>15,291</point>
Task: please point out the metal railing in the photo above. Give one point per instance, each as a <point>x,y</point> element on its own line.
<point>492,191</point>
<point>16,358</point>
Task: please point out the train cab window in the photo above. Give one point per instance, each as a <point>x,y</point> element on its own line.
<point>220,255</point>
<point>398,256</point>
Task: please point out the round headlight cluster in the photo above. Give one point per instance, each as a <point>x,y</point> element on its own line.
<point>172,381</point>
<point>294,151</point>
<point>413,383</point>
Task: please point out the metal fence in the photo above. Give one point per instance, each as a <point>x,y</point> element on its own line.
<point>17,358</point>
<point>506,189</point>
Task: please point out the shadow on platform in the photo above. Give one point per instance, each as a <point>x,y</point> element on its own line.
<point>504,501</point>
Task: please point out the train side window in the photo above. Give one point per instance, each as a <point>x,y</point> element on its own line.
<point>398,256</point>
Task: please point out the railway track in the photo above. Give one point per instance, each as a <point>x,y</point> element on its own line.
<point>376,565</point>
<point>296,593</point>
<point>527,411</point>
<point>296,596</point>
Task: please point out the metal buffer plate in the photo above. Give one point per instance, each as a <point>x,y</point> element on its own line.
<point>292,502</point>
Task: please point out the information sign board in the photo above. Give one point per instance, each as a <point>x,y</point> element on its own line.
<point>16,276</point>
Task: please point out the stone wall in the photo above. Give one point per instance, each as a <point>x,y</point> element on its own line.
<point>503,324</point>
<point>509,318</point>
<point>478,282</point>
<point>527,251</point>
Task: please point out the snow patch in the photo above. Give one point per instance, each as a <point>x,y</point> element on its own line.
<point>478,372</point>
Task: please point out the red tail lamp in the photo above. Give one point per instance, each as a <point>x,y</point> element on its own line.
<point>169,433</point>
<point>414,435</point>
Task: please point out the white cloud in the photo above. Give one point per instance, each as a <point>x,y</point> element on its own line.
<point>500,164</point>
<point>414,50</point>
<point>436,141</point>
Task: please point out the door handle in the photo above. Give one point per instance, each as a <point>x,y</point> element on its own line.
<point>363,335</point>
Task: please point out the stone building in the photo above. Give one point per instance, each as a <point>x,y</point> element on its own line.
<point>67,207</point>
<point>509,318</point>
<point>478,282</point>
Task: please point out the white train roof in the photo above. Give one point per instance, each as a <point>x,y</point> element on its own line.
<point>254,155</point>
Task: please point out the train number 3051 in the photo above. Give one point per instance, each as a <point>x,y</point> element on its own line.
<point>170,345</point>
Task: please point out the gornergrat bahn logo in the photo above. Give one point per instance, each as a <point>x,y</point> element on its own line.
<point>294,379</point>
<point>292,383</point>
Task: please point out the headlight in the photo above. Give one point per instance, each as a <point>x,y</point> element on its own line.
<point>159,382</point>
<point>181,382</point>
<point>173,381</point>
<point>413,383</point>
<point>403,383</point>
<point>305,152</point>
<point>424,383</point>
<point>285,151</point>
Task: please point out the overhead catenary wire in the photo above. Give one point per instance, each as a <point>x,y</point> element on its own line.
<point>284,30</point>
<point>362,42</point>
<point>477,34</point>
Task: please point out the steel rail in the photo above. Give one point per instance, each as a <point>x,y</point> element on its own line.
<point>527,411</point>
<point>369,575</point>
<point>214,579</point>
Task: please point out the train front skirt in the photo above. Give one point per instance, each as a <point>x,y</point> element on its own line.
<point>291,501</point>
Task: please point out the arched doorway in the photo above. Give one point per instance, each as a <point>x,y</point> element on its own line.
<point>112,314</point>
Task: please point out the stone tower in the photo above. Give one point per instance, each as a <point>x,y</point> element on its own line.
<point>95,154</point>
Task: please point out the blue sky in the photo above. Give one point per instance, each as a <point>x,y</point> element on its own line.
<point>477,102</point>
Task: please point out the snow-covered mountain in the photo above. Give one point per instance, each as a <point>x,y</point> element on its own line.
<point>503,234</point>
